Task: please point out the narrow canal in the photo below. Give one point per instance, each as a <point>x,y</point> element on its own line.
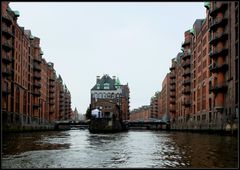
<point>135,148</point>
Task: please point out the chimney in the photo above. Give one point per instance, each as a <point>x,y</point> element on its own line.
<point>114,79</point>
<point>98,78</point>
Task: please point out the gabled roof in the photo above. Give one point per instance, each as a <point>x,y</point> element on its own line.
<point>105,79</point>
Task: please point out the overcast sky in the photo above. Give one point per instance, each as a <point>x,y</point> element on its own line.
<point>133,41</point>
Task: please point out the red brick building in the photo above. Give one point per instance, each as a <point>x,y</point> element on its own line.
<point>7,42</point>
<point>28,97</point>
<point>155,105</point>
<point>225,63</point>
<point>165,98</point>
<point>208,70</point>
<point>141,114</point>
<point>111,88</point>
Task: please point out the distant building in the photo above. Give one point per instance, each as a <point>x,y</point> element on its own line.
<point>141,114</point>
<point>112,96</point>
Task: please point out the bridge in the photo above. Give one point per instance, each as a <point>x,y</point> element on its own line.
<point>74,125</point>
<point>153,124</point>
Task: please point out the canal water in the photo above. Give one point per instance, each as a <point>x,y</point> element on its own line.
<point>132,149</point>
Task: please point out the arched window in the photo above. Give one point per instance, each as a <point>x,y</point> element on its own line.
<point>100,95</point>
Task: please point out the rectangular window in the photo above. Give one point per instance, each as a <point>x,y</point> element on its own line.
<point>198,118</point>
<point>204,63</point>
<point>236,33</point>
<point>204,75</point>
<point>198,69</point>
<point>236,50</point>
<point>199,79</point>
<point>236,69</point>
<point>236,93</point>
<point>199,48</point>
<point>204,51</point>
<point>204,40</point>
<point>236,16</point>
<point>204,117</point>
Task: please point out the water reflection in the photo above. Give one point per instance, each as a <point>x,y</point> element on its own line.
<point>133,149</point>
<point>15,144</point>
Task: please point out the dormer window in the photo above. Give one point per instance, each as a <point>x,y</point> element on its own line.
<point>98,86</point>
<point>106,86</point>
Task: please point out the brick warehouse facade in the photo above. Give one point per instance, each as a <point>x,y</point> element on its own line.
<point>141,114</point>
<point>209,67</point>
<point>204,76</point>
<point>29,82</point>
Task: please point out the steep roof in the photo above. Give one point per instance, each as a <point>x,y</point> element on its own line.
<point>105,79</point>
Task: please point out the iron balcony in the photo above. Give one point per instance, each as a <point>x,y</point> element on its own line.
<point>37,60</point>
<point>6,59</point>
<point>218,88</point>
<point>37,85</point>
<point>6,72</point>
<point>37,67</point>
<point>7,32</point>
<point>218,7</point>
<point>37,76</point>
<point>186,55</point>
<point>5,91</point>
<point>218,38</point>
<point>186,82</point>
<point>51,96</point>
<point>172,82</point>
<point>214,24</point>
<point>186,64</point>
<point>51,90</point>
<point>37,93</point>
<point>51,85</point>
<point>172,76</point>
<point>173,88</point>
<point>186,103</point>
<point>7,19</point>
<point>185,43</point>
<point>51,111</point>
<point>173,67</point>
<point>214,54</point>
<point>172,101</point>
<point>36,106</point>
<point>51,79</point>
<point>186,73</point>
<point>186,91</point>
<point>222,68</point>
<point>7,46</point>
<point>172,95</point>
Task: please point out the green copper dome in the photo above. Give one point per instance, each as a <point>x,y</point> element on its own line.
<point>16,13</point>
<point>192,31</point>
<point>117,82</point>
<point>207,4</point>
